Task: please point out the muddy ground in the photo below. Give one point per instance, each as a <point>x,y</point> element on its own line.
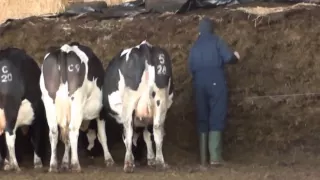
<point>267,137</point>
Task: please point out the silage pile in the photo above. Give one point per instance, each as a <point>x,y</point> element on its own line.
<point>280,56</point>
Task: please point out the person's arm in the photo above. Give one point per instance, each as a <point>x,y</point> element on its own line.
<point>226,54</point>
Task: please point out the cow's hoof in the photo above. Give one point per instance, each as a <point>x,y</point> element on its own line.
<point>203,168</point>
<point>137,163</point>
<point>151,162</point>
<point>53,168</point>
<point>162,166</point>
<point>64,166</point>
<point>8,167</point>
<point>128,167</point>
<point>38,165</point>
<point>75,168</point>
<point>109,162</point>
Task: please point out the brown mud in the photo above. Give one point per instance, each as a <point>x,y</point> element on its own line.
<point>267,137</point>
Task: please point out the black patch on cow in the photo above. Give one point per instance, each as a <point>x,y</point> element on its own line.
<point>54,71</point>
<point>132,71</point>
<point>76,71</point>
<point>19,80</point>
<point>95,67</point>
<point>158,102</point>
<point>153,94</point>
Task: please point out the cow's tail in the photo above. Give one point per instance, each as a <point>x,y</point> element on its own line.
<point>63,116</point>
<point>62,102</point>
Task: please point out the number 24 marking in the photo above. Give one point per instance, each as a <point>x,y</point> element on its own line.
<point>161,69</point>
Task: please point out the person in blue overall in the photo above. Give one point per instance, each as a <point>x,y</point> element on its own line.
<point>207,58</point>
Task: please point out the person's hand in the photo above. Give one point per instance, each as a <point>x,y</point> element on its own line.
<point>237,55</point>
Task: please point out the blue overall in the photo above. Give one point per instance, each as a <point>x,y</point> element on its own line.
<point>207,58</point>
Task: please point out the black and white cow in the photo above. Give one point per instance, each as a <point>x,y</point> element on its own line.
<point>20,103</point>
<point>137,92</point>
<point>71,84</point>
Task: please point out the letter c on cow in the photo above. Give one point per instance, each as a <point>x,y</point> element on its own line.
<point>70,67</point>
<point>4,69</point>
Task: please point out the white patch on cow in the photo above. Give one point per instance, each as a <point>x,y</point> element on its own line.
<point>145,42</point>
<point>91,135</point>
<point>151,74</point>
<point>45,57</point>
<point>115,100</point>
<point>126,52</point>
<point>135,139</point>
<point>13,164</point>
<point>37,161</point>
<point>73,137</point>
<point>93,100</point>
<point>25,114</point>
<point>67,48</point>
<point>147,140</point>
<point>62,93</point>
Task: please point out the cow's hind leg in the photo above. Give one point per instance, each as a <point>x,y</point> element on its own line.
<point>36,140</point>
<point>102,137</point>
<point>74,127</point>
<point>150,153</point>
<point>66,157</point>
<point>13,164</point>
<point>53,132</point>
<point>158,133</point>
<point>130,97</point>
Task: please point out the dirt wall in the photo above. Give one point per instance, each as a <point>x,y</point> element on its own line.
<point>280,56</point>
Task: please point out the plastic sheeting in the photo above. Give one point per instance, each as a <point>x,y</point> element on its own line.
<point>100,10</point>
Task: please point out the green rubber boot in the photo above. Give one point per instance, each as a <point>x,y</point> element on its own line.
<point>215,148</point>
<point>203,149</point>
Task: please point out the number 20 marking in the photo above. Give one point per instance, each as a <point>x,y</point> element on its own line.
<point>5,77</point>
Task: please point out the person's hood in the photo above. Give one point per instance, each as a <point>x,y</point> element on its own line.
<point>205,26</point>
